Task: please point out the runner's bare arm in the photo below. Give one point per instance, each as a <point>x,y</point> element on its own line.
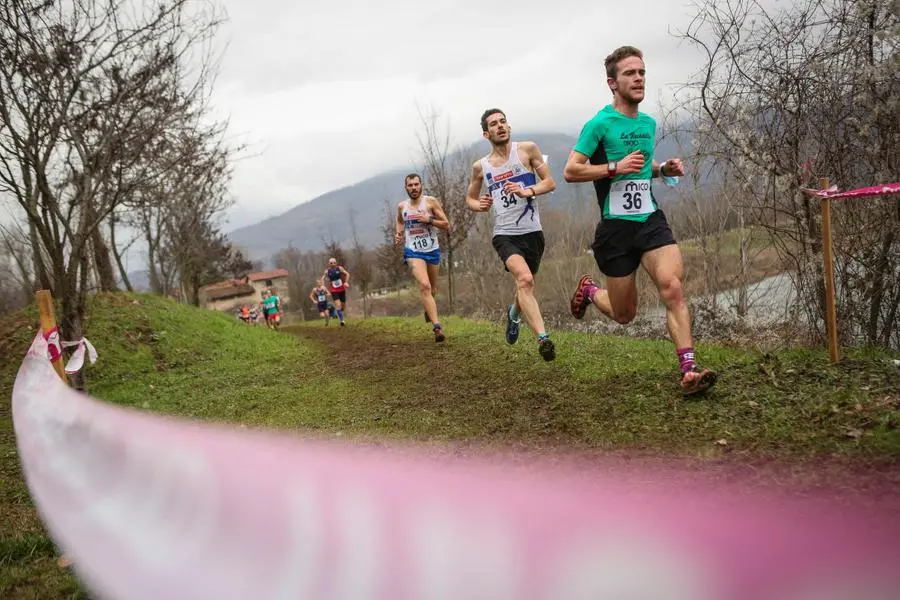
<point>578,169</point>
<point>398,224</point>
<point>477,203</point>
<point>346,275</point>
<point>537,164</point>
<point>673,167</point>
<point>543,171</point>
<point>441,221</point>
<point>312,294</point>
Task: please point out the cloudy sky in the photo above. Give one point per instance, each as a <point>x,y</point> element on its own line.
<point>324,93</point>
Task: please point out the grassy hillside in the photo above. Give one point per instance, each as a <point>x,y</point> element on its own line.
<point>386,378</point>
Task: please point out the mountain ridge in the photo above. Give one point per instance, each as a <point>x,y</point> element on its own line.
<point>329,216</point>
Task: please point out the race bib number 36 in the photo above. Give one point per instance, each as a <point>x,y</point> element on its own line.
<point>630,197</point>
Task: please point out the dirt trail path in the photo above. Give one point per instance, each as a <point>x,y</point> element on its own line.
<point>525,421</point>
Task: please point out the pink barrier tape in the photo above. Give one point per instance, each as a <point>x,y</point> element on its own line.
<point>76,362</point>
<point>875,190</point>
<point>54,346</point>
<point>150,507</point>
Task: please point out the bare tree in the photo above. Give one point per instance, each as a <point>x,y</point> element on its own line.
<point>363,266</point>
<point>811,90</point>
<point>114,220</point>
<point>446,175</point>
<point>86,89</point>
<point>303,268</point>
<point>388,255</point>
<point>16,270</point>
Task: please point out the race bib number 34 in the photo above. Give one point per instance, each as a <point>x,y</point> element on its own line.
<point>630,197</point>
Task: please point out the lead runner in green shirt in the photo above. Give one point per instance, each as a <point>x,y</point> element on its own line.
<point>615,152</point>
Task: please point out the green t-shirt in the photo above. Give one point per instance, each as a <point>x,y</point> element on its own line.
<point>609,136</point>
<point>270,303</point>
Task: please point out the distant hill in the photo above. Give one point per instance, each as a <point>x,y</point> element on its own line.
<point>310,225</point>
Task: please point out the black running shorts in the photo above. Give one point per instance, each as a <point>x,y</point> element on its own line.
<point>342,296</point>
<point>619,244</point>
<point>529,246</point>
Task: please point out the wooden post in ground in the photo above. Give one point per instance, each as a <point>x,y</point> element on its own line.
<point>830,310</point>
<point>48,322</point>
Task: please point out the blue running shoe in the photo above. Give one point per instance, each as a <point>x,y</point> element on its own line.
<point>512,326</point>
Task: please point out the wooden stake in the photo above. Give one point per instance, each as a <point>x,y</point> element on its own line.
<point>48,322</point>
<point>830,310</point>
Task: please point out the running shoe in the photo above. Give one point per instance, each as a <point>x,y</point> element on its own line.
<point>546,349</point>
<point>700,384</point>
<point>438,335</point>
<point>512,326</point>
<point>580,299</point>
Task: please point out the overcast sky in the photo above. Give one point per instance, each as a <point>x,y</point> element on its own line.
<point>324,93</point>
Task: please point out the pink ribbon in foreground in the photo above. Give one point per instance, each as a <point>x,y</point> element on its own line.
<point>150,507</point>
<point>875,190</point>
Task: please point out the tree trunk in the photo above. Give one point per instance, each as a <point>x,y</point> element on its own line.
<point>112,242</point>
<point>892,321</point>
<point>743,308</point>
<point>153,275</point>
<point>72,297</point>
<point>40,268</point>
<point>365,293</point>
<point>878,287</point>
<point>814,243</point>
<point>105,273</point>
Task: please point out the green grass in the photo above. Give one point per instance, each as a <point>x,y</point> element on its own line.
<point>386,378</point>
<point>610,392</point>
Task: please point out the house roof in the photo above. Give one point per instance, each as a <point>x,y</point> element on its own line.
<point>233,291</point>
<point>263,275</point>
<point>221,284</point>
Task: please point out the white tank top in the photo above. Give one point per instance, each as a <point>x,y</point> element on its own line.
<point>419,237</point>
<point>513,215</point>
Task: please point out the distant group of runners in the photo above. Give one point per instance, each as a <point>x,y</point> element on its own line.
<point>269,312</point>
<point>331,299</point>
<point>615,152</point>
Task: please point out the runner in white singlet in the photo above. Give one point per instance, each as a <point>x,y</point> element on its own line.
<point>510,173</point>
<point>418,220</point>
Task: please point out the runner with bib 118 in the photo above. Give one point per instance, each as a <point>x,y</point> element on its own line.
<point>418,219</point>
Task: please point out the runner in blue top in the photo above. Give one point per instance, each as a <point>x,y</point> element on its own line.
<point>319,296</point>
<point>338,281</point>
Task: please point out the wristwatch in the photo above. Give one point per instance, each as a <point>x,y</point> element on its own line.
<point>662,167</point>
<point>611,168</point>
